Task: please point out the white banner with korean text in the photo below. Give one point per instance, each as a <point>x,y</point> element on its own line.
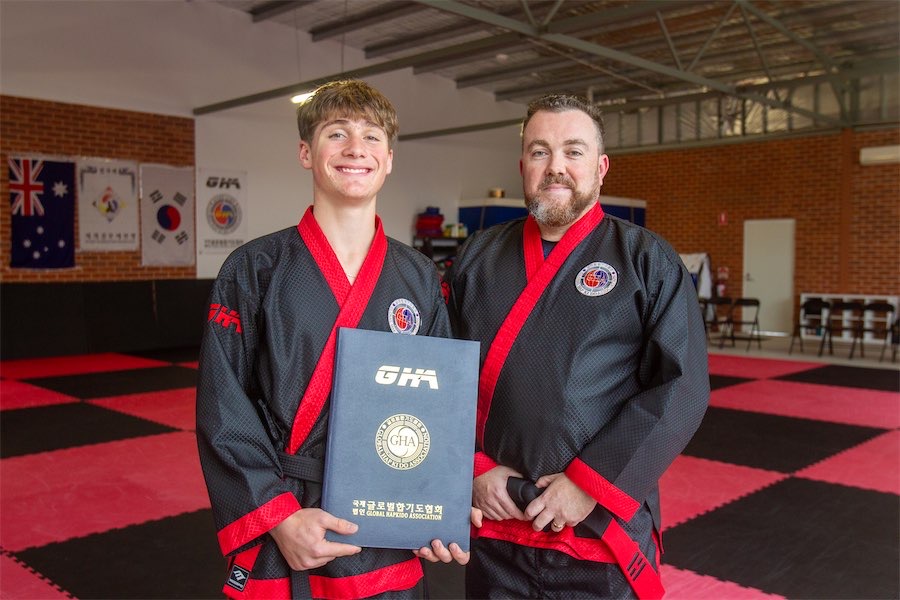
<point>221,210</point>
<point>167,215</point>
<point>107,205</point>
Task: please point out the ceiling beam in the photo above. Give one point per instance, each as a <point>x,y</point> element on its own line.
<point>367,71</point>
<point>568,25</point>
<point>778,25</point>
<point>541,34</point>
<point>431,37</point>
<point>555,62</point>
<point>890,65</point>
<point>273,8</point>
<point>517,70</point>
<point>612,54</point>
<point>710,38</point>
<point>618,14</point>
<point>488,47</point>
<point>454,130</point>
<point>815,50</point>
<point>527,92</point>
<point>506,44</point>
<point>676,93</point>
<point>669,43</point>
<point>550,64</point>
<point>456,29</point>
<point>383,12</point>
<point>759,52</point>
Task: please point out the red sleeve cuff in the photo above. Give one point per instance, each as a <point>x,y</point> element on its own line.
<point>255,523</point>
<point>483,463</point>
<point>605,493</point>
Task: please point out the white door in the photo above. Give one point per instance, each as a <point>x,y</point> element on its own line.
<point>769,271</point>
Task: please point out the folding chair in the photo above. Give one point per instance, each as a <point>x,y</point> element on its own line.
<point>843,316</point>
<point>812,316</point>
<point>879,325</point>
<point>895,338</point>
<point>715,315</point>
<point>745,305</point>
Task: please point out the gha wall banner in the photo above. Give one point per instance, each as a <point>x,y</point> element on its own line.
<point>107,205</point>
<point>167,215</point>
<point>221,210</point>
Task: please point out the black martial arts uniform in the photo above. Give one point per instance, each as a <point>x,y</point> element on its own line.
<point>268,344</point>
<point>594,364</point>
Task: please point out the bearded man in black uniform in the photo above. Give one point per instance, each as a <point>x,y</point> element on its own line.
<point>594,376</point>
<point>267,355</point>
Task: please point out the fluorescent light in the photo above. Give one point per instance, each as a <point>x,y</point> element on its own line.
<point>879,155</point>
<point>301,97</point>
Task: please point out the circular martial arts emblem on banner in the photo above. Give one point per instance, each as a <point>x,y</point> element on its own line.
<point>402,442</point>
<point>596,279</point>
<point>223,213</point>
<point>403,317</point>
<point>108,204</point>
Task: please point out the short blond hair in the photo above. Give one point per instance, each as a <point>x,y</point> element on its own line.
<point>346,98</point>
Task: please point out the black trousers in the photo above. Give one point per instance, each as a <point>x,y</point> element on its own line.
<point>499,569</point>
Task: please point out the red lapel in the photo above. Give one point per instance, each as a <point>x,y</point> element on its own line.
<point>352,300</point>
<point>540,273</point>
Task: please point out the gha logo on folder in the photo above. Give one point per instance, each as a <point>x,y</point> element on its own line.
<point>401,437</point>
<point>403,376</point>
<point>402,442</point>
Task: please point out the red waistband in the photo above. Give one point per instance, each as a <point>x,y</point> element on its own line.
<point>400,576</point>
<point>614,547</point>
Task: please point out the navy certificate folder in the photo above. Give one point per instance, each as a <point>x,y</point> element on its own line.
<point>401,438</point>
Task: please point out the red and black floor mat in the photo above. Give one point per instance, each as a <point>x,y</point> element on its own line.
<point>789,489</point>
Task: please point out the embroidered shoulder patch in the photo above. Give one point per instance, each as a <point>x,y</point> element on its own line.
<point>224,316</point>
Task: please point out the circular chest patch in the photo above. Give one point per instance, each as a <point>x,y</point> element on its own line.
<point>596,279</point>
<point>402,442</point>
<point>403,317</point>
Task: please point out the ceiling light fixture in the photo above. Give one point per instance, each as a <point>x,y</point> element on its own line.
<point>299,98</point>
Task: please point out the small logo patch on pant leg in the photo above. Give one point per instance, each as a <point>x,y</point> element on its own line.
<point>238,578</point>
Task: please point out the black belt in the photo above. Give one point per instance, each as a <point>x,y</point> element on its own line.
<point>304,468</point>
<point>522,491</point>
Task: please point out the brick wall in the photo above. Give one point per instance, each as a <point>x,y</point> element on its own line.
<point>39,127</point>
<point>847,215</point>
<point>874,249</point>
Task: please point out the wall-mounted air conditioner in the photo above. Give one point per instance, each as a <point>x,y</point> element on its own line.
<point>879,155</point>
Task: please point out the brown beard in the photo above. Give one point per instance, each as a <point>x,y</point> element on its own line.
<point>556,214</point>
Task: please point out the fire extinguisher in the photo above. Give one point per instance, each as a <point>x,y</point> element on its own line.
<point>722,282</point>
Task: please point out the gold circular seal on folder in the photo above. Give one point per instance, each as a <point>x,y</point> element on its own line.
<point>402,442</point>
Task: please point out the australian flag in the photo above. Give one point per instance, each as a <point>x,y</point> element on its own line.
<point>42,202</point>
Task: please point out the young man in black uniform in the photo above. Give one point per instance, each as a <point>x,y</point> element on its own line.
<point>267,356</point>
<point>594,376</point>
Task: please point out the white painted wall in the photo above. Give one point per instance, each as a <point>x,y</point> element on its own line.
<point>171,56</point>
